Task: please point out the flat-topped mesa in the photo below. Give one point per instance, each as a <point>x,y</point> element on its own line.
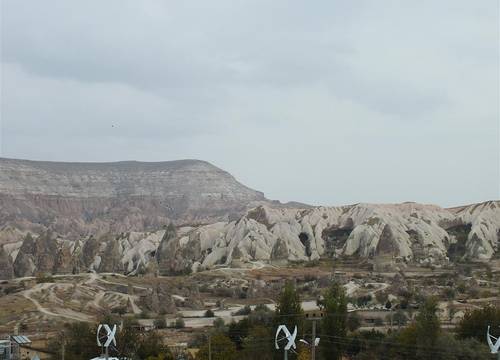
<point>130,195</point>
<point>127,178</point>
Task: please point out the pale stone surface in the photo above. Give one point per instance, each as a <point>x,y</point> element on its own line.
<point>113,218</point>
<point>398,231</point>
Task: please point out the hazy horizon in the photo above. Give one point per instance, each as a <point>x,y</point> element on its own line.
<point>340,103</point>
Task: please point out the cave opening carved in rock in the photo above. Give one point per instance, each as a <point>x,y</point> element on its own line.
<point>335,238</point>
<point>304,239</point>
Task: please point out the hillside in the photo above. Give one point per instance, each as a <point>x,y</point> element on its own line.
<point>113,217</point>
<point>75,199</point>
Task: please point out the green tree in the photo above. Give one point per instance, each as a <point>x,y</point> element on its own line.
<point>399,318</point>
<point>420,338</point>
<point>427,324</point>
<point>78,340</point>
<point>259,344</point>
<point>458,349</point>
<point>179,323</point>
<point>222,349</point>
<point>353,321</point>
<point>289,309</point>
<point>238,331</point>
<point>127,338</point>
<point>219,324</point>
<point>160,323</point>
<point>476,322</point>
<point>151,345</point>
<point>334,322</point>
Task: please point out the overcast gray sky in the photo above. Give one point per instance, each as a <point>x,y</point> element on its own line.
<point>326,102</point>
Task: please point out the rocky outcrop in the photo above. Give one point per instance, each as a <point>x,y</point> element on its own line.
<point>404,232</point>
<point>113,218</point>
<point>36,255</point>
<point>6,269</point>
<point>407,232</point>
<point>483,239</point>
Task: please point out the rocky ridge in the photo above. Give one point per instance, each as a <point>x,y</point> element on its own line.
<point>183,216</point>
<point>395,234</point>
<point>408,232</point>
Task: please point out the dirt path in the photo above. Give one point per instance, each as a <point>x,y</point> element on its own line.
<point>68,314</point>
<point>135,308</point>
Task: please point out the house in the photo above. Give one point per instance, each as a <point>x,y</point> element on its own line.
<point>312,310</point>
<point>21,347</point>
<point>373,316</point>
<point>5,350</point>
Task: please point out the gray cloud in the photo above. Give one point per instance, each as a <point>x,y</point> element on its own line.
<point>334,103</point>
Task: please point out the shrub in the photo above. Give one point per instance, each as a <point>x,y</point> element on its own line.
<point>353,321</point>
<point>363,300</point>
<point>160,323</point>
<point>209,314</point>
<point>219,323</point>
<point>246,310</point>
<point>179,323</point>
<point>44,278</point>
<point>449,293</point>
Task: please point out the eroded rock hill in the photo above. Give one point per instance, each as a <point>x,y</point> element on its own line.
<point>135,217</point>
<point>75,199</point>
<point>397,234</point>
<point>408,232</point>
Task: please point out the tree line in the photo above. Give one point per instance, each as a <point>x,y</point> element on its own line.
<point>252,338</point>
<point>422,339</point>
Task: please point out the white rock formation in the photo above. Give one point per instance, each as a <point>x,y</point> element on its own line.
<point>408,232</point>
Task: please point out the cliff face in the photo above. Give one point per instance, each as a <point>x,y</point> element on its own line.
<point>75,199</point>
<point>113,218</point>
<point>402,233</point>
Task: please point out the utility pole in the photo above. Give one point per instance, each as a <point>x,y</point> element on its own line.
<point>313,341</point>
<point>63,349</point>
<point>209,347</point>
<point>314,319</point>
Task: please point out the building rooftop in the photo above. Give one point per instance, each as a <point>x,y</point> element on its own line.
<point>21,339</point>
